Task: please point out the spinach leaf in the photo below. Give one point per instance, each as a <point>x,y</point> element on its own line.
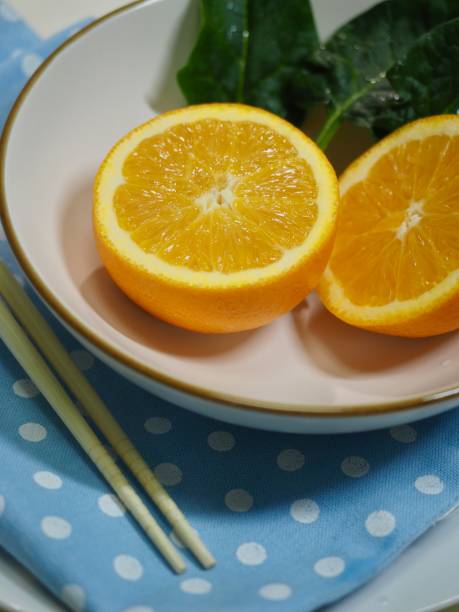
<point>214,69</point>
<point>350,71</point>
<point>425,82</point>
<point>249,51</point>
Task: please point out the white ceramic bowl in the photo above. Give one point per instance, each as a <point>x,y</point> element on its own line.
<point>306,372</point>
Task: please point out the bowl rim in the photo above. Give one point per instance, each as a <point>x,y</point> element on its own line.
<point>413,402</point>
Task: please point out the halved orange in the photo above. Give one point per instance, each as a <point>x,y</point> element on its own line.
<point>395,263</point>
<point>217,218</point>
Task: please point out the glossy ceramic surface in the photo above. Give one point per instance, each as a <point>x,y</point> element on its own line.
<point>306,372</point>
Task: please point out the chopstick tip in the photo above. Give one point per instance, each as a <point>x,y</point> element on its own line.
<point>179,567</point>
<point>208,561</point>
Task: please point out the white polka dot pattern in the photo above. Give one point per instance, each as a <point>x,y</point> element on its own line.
<point>32,432</point>
<point>290,460</point>
<point>196,586</point>
<point>380,523</point>
<point>355,467</point>
<point>110,505</point>
<point>266,504</point>
<point>158,425</point>
<point>429,484</point>
<point>329,567</point>
<point>251,553</point>
<point>168,474</point>
<point>47,480</point>
<point>238,500</point>
<point>74,596</point>
<point>128,567</point>
<point>305,511</point>
<point>56,528</point>
<point>275,591</point>
<point>25,388</point>
<point>221,441</point>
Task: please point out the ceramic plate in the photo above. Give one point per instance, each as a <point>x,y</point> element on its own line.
<point>306,372</point>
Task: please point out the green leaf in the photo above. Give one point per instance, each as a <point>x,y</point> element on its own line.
<point>214,72</point>
<point>425,82</point>
<point>249,51</point>
<point>352,66</point>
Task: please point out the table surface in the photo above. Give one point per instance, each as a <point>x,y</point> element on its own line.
<point>423,579</point>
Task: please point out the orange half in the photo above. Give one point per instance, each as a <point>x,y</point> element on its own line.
<point>217,217</point>
<point>395,263</point>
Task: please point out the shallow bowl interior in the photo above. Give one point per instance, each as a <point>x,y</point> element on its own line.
<point>113,77</point>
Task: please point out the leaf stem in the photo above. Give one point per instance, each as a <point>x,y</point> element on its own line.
<point>335,118</point>
<point>329,129</point>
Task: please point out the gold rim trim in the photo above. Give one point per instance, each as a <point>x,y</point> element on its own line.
<point>270,408</point>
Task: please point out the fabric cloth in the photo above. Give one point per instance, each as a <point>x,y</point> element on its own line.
<point>295,522</point>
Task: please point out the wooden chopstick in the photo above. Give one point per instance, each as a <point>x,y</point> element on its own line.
<point>33,363</point>
<point>41,332</point>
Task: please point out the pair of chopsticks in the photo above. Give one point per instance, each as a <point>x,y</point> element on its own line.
<point>15,300</point>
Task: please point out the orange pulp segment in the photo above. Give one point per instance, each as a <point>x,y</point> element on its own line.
<point>217,217</point>
<point>394,265</point>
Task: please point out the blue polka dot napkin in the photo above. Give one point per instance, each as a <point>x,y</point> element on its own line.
<point>295,522</point>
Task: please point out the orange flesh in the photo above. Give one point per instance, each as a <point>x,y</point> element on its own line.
<point>217,196</point>
<point>398,229</point>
